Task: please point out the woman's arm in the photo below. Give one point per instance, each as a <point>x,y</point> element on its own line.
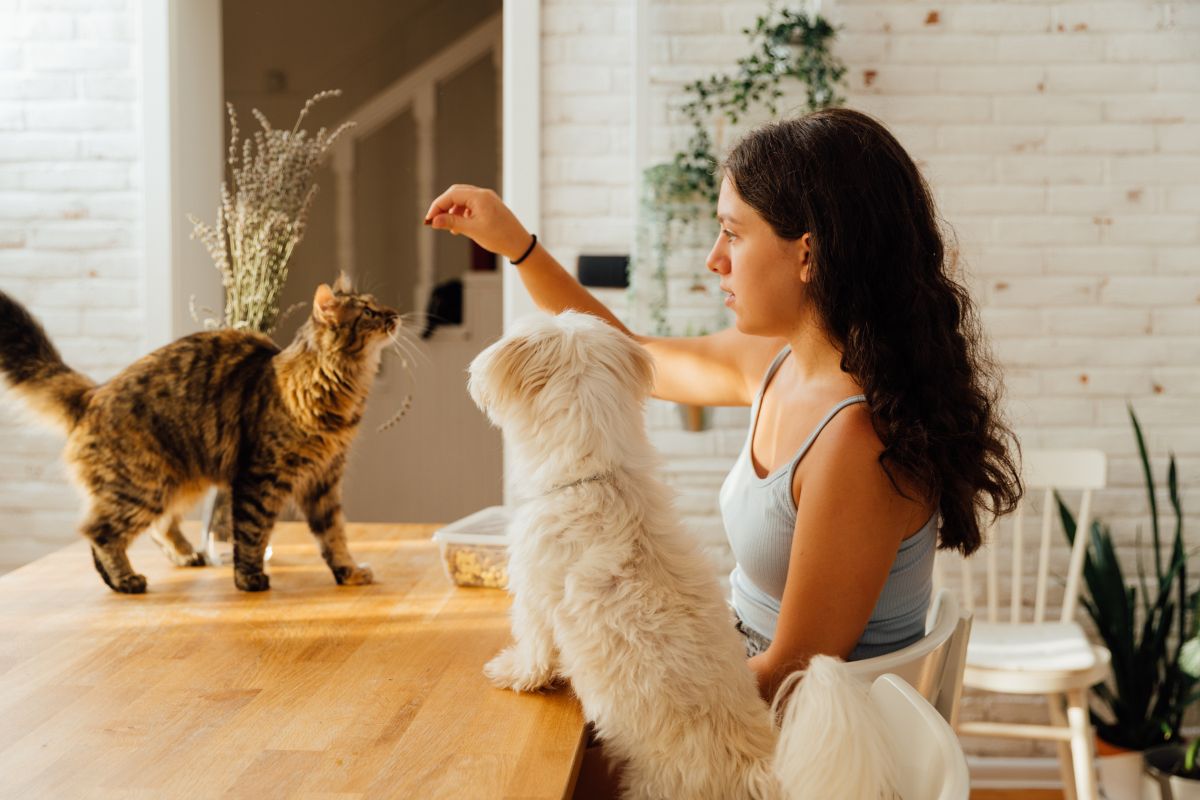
<point>720,369</point>
<point>850,522</point>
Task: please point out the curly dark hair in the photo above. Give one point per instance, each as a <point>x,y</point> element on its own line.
<point>881,284</point>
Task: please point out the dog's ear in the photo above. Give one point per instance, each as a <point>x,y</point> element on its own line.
<point>508,372</point>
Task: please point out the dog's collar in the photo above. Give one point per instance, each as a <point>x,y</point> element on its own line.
<point>600,476</point>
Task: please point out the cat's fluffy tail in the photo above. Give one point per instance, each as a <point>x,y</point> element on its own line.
<point>831,741</point>
<point>35,370</point>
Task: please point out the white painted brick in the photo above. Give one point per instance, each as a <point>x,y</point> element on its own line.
<point>1178,77</point>
<point>892,79</point>
<point>1107,17</point>
<point>1175,321</point>
<point>995,261</point>
<point>1157,169</point>
<point>110,146</point>
<point>1152,291</point>
<point>1157,109</point>
<point>26,147</point>
<point>1150,47</point>
<point>1032,168</point>
<point>1177,260</point>
<point>1102,321</point>
<point>963,79</point>
<point>1006,322</point>
<point>104,177</point>
<point>943,49</point>
<point>993,199</point>
<point>569,78</point>
<point>1100,78</point>
<point>25,206</point>
<point>1112,139</point>
<point>589,110</point>
<point>955,170</point>
<point>78,235</point>
<point>103,27</point>
<point>10,56</point>
<point>1047,230</point>
<point>110,87</point>
<point>991,138</point>
<point>1026,291</point>
<point>12,118</point>
<point>998,18</point>
<point>1046,109</point>
<point>1178,138</point>
<point>1099,200</point>
<point>79,116</point>
<point>35,27</point>
<point>1105,260</point>
<point>1157,229</point>
<point>1049,48</point>
<point>927,108</point>
<point>77,56</point>
<point>36,87</point>
<point>1097,381</point>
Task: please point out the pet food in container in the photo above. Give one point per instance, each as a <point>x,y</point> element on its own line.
<point>475,548</point>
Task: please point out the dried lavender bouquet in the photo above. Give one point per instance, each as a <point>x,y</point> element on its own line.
<point>262,216</point>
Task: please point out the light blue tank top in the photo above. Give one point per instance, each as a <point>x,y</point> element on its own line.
<point>760,521</point>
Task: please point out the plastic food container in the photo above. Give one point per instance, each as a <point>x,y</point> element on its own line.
<point>475,548</point>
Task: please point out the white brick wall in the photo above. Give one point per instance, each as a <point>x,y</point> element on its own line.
<point>70,227</point>
<point>1063,143</point>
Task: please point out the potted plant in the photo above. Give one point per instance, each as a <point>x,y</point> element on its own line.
<point>262,217</point>
<point>1146,623</point>
<point>679,196</point>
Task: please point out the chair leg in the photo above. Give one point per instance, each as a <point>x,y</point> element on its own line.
<point>1082,740</point>
<point>1066,771</point>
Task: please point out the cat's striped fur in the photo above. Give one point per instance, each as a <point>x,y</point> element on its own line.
<point>223,407</point>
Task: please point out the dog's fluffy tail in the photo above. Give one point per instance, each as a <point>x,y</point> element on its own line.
<point>35,370</point>
<point>831,740</point>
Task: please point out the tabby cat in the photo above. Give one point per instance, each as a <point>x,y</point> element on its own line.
<point>221,407</point>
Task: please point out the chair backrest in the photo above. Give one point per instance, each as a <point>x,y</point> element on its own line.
<point>930,764</point>
<point>933,665</point>
<point>1043,471</point>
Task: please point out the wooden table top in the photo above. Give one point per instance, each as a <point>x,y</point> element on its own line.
<point>308,690</point>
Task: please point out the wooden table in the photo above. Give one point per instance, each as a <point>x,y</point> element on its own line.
<point>308,690</point>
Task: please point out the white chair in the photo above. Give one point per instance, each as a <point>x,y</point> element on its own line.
<point>933,665</point>
<point>929,760</point>
<point>1040,656</point>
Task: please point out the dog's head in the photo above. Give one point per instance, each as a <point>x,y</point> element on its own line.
<point>572,371</point>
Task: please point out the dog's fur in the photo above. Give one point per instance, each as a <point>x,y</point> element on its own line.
<point>612,594</point>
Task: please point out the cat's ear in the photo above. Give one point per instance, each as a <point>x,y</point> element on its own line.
<point>325,305</point>
<point>342,284</point>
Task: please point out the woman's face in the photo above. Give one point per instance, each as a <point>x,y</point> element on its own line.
<point>764,276</point>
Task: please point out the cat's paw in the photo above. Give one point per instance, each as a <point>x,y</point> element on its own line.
<point>193,560</point>
<point>251,581</point>
<point>507,671</point>
<point>359,575</point>
<point>131,584</point>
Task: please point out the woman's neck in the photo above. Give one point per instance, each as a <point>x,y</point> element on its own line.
<point>815,357</point>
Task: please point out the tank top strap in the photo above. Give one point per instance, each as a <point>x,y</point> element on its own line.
<point>833,412</point>
<point>770,373</point>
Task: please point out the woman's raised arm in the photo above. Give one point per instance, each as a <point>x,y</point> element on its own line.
<point>720,369</point>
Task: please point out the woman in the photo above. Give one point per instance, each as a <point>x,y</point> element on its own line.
<point>874,434</point>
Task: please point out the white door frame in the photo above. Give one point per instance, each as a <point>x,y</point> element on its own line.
<point>184,141</point>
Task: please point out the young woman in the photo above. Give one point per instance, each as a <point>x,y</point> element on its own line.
<point>874,433</point>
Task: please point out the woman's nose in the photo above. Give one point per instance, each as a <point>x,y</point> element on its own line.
<point>717,261</point>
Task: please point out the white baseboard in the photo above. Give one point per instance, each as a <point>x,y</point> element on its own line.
<point>1013,773</point>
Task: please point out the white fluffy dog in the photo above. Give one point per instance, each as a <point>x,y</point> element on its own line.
<point>610,593</point>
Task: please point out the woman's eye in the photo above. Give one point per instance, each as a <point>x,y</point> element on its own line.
<point>728,235</point>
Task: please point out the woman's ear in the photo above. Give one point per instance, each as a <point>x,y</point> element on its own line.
<point>805,254</point>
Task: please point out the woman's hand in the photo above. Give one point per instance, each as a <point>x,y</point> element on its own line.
<point>481,215</point>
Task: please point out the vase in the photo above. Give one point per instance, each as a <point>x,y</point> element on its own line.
<point>216,527</point>
<point>1160,781</point>
<point>695,418</point>
<point>1119,771</point>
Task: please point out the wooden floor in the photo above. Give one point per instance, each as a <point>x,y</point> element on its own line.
<point>1016,794</point>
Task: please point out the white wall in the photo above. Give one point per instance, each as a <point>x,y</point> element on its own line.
<point>1063,143</point>
<point>70,226</point>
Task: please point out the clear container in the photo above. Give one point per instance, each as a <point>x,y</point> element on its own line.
<point>475,548</point>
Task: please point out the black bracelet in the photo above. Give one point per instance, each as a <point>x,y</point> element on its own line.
<point>528,250</point>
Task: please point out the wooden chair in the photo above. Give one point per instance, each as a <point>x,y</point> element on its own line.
<point>933,665</point>
<point>929,759</point>
<point>1041,656</point>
